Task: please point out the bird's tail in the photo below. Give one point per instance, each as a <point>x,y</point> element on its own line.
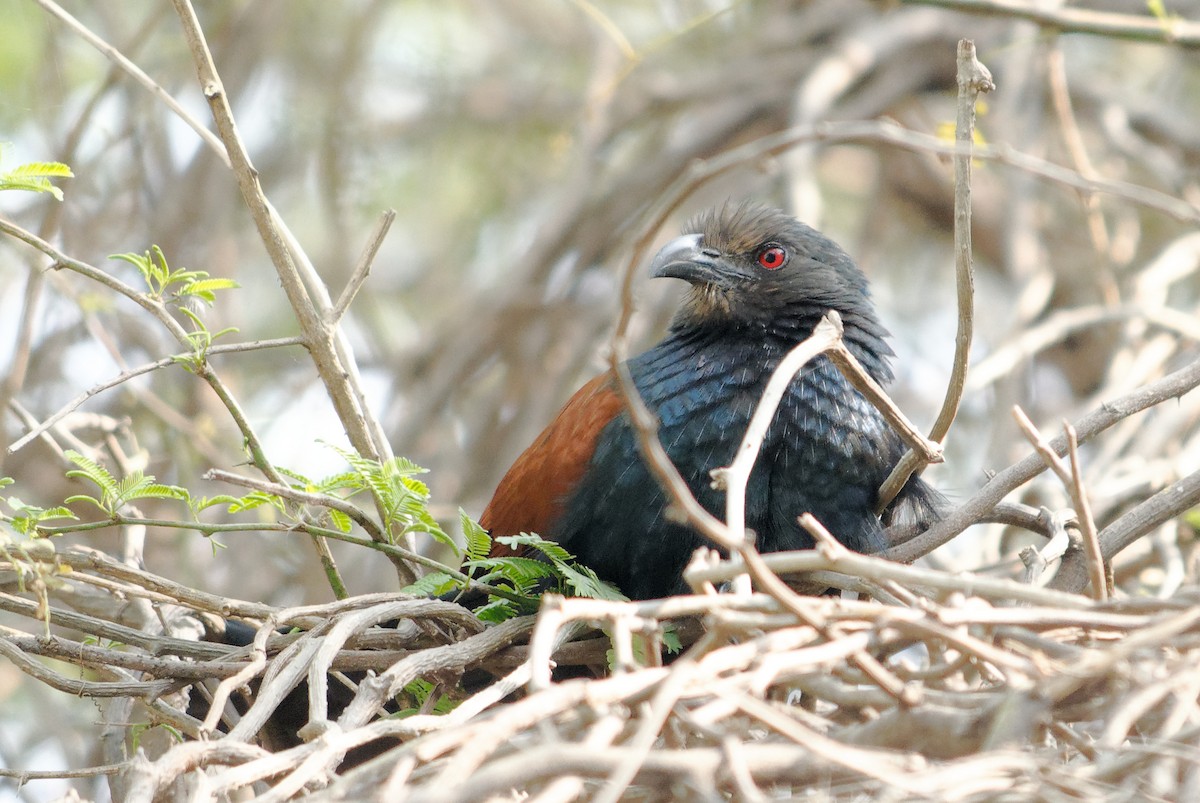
<point>915,509</point>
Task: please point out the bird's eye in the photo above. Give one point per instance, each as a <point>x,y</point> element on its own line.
<point>772,257</point>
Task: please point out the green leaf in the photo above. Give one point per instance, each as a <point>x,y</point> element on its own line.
<point>76,498</point>
<point>670,638</point>
<point>548,548</point>
<point>114,493</point>
<point>255,499</point>
<point>35,177</point>
<point>404,500</point>
<point>27,518</point>
<point>433,584</point>
<point>92,471</point>
<point>41,170</point>
<point>340,520</point>
<point>205,502</point>
<point>479,542</point>
<point>154,490</point>
<point>205,288</point>
<point>523,571</point>
<point>498,610</point>
<point>584,582</point>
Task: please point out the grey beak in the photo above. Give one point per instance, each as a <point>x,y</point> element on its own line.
<point>685,258</point>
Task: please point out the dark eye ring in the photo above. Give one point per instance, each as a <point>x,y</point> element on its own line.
<point>772,257</point>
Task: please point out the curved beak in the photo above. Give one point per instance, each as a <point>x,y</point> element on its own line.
<point>686,258</point>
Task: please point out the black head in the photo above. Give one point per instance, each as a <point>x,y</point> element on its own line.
<point>755,267</point>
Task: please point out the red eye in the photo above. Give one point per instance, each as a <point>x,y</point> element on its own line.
<point>772,257</point>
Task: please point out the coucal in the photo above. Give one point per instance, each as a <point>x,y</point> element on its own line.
<point>760,281</point>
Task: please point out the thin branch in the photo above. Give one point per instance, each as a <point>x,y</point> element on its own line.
<point>125,376</point>
<point>114,55</point>
<point>734,478</point>
<point>1087,524</point>
<point>1065,19</point>
<point>973,79</point>
<point>880,569</point>
<point>1052,459</point>
<point>363,268</point>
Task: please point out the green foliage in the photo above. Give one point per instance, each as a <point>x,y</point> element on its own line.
<point>179,288</point>
<point>235,504</point>
<point>114,493</point>
<point>544,567</point>
<point>27,519</point>
<point>479,542</point>
<point>577,579</point>
<point>182,284</point>
<point>34,177</point>
<point>414,697</point>
<point>403,498</point>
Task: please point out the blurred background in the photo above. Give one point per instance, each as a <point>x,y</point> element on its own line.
<point>521,143</point>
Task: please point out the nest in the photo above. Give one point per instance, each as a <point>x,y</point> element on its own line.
<point>925,685</point>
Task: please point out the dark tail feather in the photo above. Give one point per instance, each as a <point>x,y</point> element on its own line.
<point>915,509</point>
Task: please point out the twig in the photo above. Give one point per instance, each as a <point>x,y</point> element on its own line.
<point>114,55</point>
<point>1065,19</point>
<point>973,80</point>
<point>363,268</point>
<point>1051,458</point>
<point>928,450</point>
<point>125,376</point>
<point>1168,503</point>
<point>24,776</point>
<point>1087,524</point>
<point>878,569</point>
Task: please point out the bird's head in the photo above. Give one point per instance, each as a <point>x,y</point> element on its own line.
<point>754,267</point>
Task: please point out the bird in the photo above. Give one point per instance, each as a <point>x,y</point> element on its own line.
<point>759,282</point>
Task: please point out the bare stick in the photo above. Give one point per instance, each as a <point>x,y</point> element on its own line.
<point>138,75</point>
<point>973,79</point>
<point>363,268</point>
<point>1087,524</point>
<point>844,360</point>
<point>1043,448</point>
<point>1173,30</point>
<point>1071,477</point>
